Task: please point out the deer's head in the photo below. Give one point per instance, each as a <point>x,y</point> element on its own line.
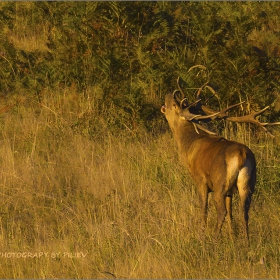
<point>177,110</point>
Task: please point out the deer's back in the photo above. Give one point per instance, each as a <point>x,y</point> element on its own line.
<point>217,161</point>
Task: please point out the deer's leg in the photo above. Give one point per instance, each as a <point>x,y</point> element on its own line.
<point>245,184</point>
<point>203,197</point>
<point>229,210</point>
<point>245,206</point>
<point>220,204</point>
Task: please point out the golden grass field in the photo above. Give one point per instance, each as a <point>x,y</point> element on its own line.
<point>79,200</point>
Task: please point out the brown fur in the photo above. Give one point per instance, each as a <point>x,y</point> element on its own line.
<point>216,165</point>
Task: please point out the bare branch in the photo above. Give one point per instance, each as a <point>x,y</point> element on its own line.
<point>197,66</point>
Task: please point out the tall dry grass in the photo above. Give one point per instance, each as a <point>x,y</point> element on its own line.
<point>80,200</point>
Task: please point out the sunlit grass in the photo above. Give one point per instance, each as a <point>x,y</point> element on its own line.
<point>101,203</point>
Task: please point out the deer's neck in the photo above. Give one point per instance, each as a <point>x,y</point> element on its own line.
<point>185,135</point>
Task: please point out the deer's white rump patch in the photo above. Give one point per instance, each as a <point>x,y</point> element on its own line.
<point>232,170</point>
<point>244,177</point>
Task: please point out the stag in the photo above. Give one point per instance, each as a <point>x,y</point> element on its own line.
<point>216,164</point>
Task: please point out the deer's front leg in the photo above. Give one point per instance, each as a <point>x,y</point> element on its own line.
<point>203,197</point>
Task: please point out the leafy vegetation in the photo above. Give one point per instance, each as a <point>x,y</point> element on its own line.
<point>88,163</point>
<point>132,52</point>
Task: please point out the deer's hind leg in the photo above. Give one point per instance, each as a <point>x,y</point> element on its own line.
<point>246,183</point>
<point>220,204</point>
<point>229,210</point>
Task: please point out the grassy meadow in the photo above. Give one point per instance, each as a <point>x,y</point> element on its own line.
<point>80,200</point>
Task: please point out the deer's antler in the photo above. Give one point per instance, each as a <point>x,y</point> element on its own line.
<point>250,118</point>
<point>206,114</point>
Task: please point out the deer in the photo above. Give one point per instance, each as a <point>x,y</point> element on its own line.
<point>215,164</point>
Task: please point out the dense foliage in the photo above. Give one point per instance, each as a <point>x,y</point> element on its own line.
<point>130,53</point>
